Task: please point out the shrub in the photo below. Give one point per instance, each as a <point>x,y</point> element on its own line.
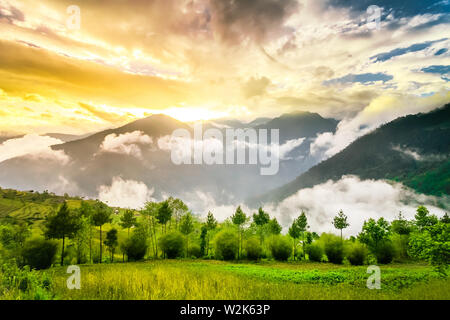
<point>385,252</point>
<point>334,248</point>
<point>135,247</point>
<point>39,253</point>
<point>315,252</point>
<point>172,244</point>
<point>253,249</point>
<point>194,251</point>
<point>226,245</point>
<point>281,248</point>
<point>356,253</point>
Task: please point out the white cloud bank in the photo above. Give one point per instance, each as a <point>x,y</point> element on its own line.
<point>125,193</point>
<point>35,146</point>
<point>127,143</point>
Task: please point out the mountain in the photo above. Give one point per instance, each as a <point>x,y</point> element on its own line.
<point>413,150</point>
<point>134,152</point>
<point>66,137</point>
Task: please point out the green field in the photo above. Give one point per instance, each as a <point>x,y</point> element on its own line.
<point>202,279</point>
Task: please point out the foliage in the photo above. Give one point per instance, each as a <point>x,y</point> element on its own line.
<point>195,251</point>
<point>433,245</point>
<point>274,227</point>
<point>39,253</point>
<point>315,252</point>
<point>333,247</point>
<point>280,248</point>
<point>173,244</point>
<point>253,249</point>
<point>356,253</point>
<point>135,247</point>
<point>128,220</point>
<point>385,252</point>
<point>340,221</point>
<point>226,245</point>
<point>424,219</point>
<point>111,242</point>
<point>374,233</point>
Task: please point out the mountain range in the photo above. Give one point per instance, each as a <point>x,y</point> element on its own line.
<point>413,150</point>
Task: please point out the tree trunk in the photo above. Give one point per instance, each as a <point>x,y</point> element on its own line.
<point>62,252</point>
<point>100,244</point>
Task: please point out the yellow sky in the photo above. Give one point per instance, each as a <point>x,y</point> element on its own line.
<point>199,59</point>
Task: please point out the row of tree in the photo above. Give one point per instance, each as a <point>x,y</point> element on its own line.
<point>168,230</point>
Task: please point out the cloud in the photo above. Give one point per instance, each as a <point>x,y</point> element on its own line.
<point>125,193</point>
<point>256,87</point>
<point>35,146</point>
<point>416,155</point>
<point>239,20</point>
<point>381,110</point>
<point>359,199</point>
<point>127,143</point>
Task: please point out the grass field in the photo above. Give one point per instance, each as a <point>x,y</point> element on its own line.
<point>202,279</point>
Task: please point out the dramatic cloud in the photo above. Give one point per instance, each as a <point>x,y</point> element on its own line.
<point>125,193</point>
<point>381,110</point>
<point>128,143</point>
<point>33,145</point>
<point>240,20</point>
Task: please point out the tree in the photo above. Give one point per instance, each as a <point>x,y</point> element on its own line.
<point>445,218</point>
<point>179,208</point>
<point>111,242</point>
<point>164,214</point>
<point>211,224</point>
<point>239,218</point>
<point>128,220</point>
<point>424,219</point>
<point>203,243</point>
<point>274,227</point>
<point>374,233</point>
<point>340,221</point>
<point>87,211</point>
<point>101,215</point>
<point>401,226</point>
<point>294,232</point>
<point>82,238</point>
<point>150,212</point>
<point>61,226</point>
<point>261,219</point>
<point>302,222</point>
<point>186,228</point>
<point>432,243</point>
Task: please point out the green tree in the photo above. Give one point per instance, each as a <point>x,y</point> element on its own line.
<point>424,219</point>
<point>82,238</point>
<point>186,228</point>
<point>261,219</point>
<point>302,223</point>
<point>64,224</point>
<point>86,210</point>
<point>374,233</point>
<point>340,221</point>
<point>164,214</point>
<point>101,215</point>
<point>294,232</point>
<point>432,243</point>
<point>128,220</point>
<point>203,235</point>
<point>150,213</point>
<point>179,208</point>
<point>211,224</point>
<point>274,227</point>
<point>111,242</point>
<point>239,218</point>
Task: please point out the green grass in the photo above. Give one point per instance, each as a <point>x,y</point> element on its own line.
<point>197,280</point>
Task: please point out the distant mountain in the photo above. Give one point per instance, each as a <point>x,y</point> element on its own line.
<point>66,137</point>
<point>414,150</point>
<point>91,167</point>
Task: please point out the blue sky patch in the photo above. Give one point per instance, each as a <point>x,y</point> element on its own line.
<point>363,78</point>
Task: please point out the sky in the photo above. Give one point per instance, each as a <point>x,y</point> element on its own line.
<point>119,60</point>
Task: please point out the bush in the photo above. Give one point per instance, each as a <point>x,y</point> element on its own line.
<point>253,249</point>
<point>385,252</point>
<point>315,252</point>
<point>226,245</point>
<point>172,244</point>
<point>39,253</point>
<point>134,247</point>
<point>357,253</point>
<point>281,248</point>
<point>334,248</point>
<point>194,251</point>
